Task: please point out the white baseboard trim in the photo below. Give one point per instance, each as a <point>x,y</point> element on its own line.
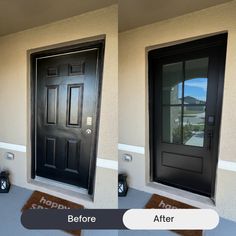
<point>13,147</point>
<point>108,164</point>
<point>131,148</point>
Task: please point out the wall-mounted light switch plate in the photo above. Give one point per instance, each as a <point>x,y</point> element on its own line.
<point>10,156</point>
<point>127,157</point>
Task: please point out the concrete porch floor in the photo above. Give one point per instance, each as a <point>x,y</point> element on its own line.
<point>10,214</point>
<point>138,199</point>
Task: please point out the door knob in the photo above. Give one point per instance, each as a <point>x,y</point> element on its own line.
<point>88,131</point>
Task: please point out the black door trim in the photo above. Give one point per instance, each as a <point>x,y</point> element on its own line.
<point>100,45</point>
<point>195,45</point>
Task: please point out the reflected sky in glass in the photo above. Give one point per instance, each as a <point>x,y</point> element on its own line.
<point>196,88</point>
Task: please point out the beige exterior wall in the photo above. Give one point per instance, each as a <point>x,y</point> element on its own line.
<point>133,127</point>
<point>15,103</point>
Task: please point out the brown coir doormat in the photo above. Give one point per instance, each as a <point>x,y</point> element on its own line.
<point>40,200</point>
<point>160,202</point>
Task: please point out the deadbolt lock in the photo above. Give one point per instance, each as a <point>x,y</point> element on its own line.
<point>89,120</point>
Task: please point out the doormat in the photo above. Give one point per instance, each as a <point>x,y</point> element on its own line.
<point>160,202</point>
<point>40,200</point>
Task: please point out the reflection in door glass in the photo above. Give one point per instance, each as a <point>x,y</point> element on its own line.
<point>171,124</point>
<point>195,84</point>
<point>193,125</point>
<point>172,83</point>
<point>184,94</point>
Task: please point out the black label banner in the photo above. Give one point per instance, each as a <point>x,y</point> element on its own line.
<point>73,219</point>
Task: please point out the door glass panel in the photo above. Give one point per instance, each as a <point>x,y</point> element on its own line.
<point>195,84</point>
<point>193,125</point>
<point>172,75</point>
<point>171,124</point>
<point>192,83</point>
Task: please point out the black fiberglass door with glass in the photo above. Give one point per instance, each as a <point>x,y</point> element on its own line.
<point>185,90</point>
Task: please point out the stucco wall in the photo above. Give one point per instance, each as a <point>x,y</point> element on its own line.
<point>133,128</point>
<point>14,95</point>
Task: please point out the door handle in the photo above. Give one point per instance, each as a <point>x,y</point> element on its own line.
<point>88,131</point>
<point>210,137</point>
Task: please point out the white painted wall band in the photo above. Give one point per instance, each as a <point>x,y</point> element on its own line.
<point>131,148</point>
<point>227,165</point>
<point>224,165</point>
<point>108,164</point>
<point>13,147</point>
<point>104,163</point>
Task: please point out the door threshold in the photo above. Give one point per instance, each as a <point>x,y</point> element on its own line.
<point>62,185</point>
<point>66,189</point>
<point>187,197</point>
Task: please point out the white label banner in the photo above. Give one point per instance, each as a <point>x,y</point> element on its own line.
<point>153,219</point>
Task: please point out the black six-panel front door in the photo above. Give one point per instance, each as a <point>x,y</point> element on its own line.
<point>185,93</point>
<point>66,100</point>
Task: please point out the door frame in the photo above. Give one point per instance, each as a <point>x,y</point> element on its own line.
<point>61,49</point>
<point>157,53</point>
